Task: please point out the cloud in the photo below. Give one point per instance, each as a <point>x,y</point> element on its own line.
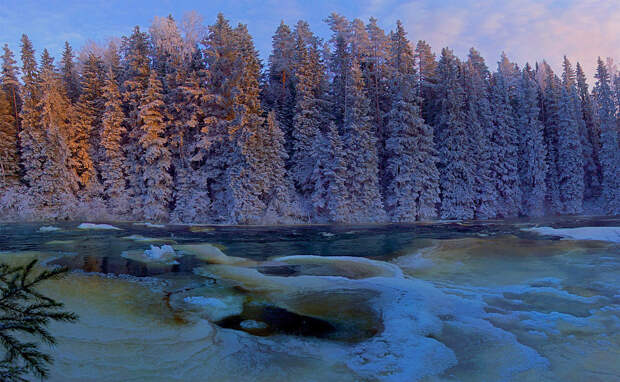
<point>527,30</point>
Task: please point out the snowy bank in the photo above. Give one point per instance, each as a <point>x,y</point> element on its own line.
<point>611,234</point>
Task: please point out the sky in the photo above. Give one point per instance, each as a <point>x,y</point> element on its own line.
<point>527,30</point>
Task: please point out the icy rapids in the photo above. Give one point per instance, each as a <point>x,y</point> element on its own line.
<point>464,301</point>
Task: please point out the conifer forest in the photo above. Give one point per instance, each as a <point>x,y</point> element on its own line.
<point>185,123</point>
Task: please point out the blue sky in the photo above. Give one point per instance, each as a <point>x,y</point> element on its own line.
<point>528,30</point>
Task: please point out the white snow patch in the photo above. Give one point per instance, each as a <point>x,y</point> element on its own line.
<point>48,228</point>
<point>159,253</point>
<point>97,226</point>
<point>216,309</point>
<point>611,234</point>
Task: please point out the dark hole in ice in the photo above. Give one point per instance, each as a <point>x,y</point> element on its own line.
<point>282,321</point>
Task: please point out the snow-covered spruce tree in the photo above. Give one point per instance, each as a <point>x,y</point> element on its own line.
<point>258,150</point>
<point>112,166</point>
<point>309,112</point>
<point>377,74</point>
<point>267,163</point>
<point>455,167</point>
<point>191,197</point>
<point>505,139</point>
<point>25,314</point>
<point>70,76</point>
<point>329,198</point>
<point>339,64</point>
<point>178,62</point>
<point>215,143</point>
<point>55,184</point>
<point>10,104</point>
<point>31,136</point>
<point>476,78</point>
<point>570,152</point>
<point>550,118</point>
<point>154,156</point>
<point>411,190</point>
<point>9,80</point>
<point>135,51</point>
<point>85,131</point>
<point>426,65</point>
<point>360,153</point>
<point>610,154</point>
<point>590,139</point>
<point>9,158</point>
<point>532,150</point>
<point>279,87</point>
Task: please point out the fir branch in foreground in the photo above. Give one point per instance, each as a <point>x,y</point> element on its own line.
<point>24,311</point>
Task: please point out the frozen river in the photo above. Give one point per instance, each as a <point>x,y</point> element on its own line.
<point>450,301</point>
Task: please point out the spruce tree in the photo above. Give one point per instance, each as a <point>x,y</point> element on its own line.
<point>112,167</point>
<point>411,190</point>
<point>532,150</point>
<point>9,158</point>
<point>309,113</point>
<point>329,198</point>
<point>70,78</point>
<point>361,158</point>
<point>550,118</point>
<point>455,169</point>
<point>505,140</point>
<point>87,125</point>
<point>479,114</point>
<point>570,151</point>
<point>590,138</point>
<point>610,154</point>
<point>156,182</point>
<point>279,89</point>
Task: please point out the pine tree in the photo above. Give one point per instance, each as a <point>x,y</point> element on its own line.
<point>609,156</point>
<point>154,155</point>
<point>455,168</point>
<point>70,78</point>
<point>532,150</point>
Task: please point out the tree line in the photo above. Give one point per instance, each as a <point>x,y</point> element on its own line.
<point>184,124</point>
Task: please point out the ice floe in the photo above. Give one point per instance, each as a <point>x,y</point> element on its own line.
<point>48,228</point>
<point>611,234</point>
<point>164,254</point>
<point>97,226</point>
